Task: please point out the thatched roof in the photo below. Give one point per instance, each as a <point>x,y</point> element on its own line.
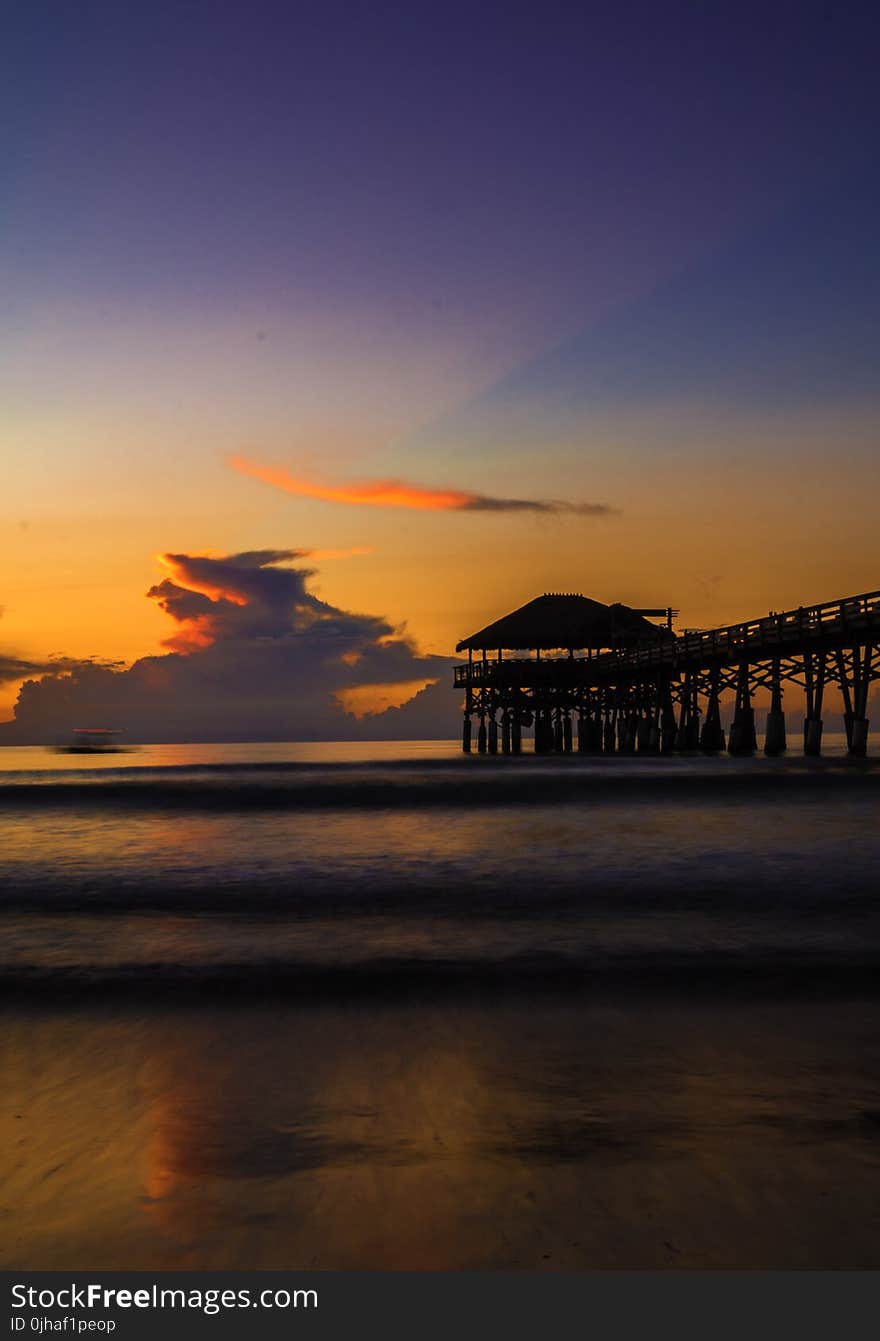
<point>563,621</point>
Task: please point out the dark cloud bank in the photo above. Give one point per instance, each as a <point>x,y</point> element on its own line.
<point>253,656</point>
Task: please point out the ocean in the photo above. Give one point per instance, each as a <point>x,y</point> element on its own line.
<point>336,864</point>
<point>383,1005</point>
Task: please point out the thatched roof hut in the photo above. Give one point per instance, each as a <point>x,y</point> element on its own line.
<point>565,621</point>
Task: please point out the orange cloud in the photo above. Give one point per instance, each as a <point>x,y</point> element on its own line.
<point>202,574</point>
<point>377,493</point>
<point>401,494</point>
<point>180,571</point>
<point>193,635</point>
<point>367,700</point>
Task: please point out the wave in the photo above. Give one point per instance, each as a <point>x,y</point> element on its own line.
<point>442,783</point>
<point>713,974</point>
<point>565,895</point>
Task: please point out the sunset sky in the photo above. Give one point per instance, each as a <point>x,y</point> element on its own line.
<point>470,301</point>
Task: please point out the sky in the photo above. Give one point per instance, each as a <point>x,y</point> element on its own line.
<point>456,304</point>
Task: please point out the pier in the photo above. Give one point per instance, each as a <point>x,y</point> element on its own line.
<point>605,679</point>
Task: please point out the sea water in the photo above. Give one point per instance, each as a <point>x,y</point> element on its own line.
<point>383,1006</point>
<point>333,864</point>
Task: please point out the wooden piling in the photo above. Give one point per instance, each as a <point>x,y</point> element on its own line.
<point>743,740</point>
<point>712,733</point>
<point>774,735</point>
<point>815,667</point>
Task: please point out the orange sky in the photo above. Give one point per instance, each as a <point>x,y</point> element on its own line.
<point>726,539</point>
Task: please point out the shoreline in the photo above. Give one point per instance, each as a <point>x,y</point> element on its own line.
<point>529,1134</point>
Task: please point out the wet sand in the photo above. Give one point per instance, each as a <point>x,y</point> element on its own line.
<point>541,1132</point>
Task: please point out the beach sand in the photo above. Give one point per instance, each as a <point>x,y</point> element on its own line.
<point>540,1132</point>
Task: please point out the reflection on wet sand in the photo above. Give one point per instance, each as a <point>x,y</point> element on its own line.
<point>548,1134</point>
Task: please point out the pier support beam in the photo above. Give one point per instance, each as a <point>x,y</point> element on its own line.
<point>543,732</point>
<point>468,709</point>
<point>516,734</point>
<point>813,735</point>
<point>858,737</point>
<point>687,736</point>
<point>743,740</point>
<point>815,665</point>
<point>693,733</point>
<point>647,735</point>
<point>712,734</point>
<point>774,736</point>
<point>855,680</point>
<point>693,725</point>
<point>481,736</point>
<point>566,733</point>
<point>505,732</point>
<point>668,726</point>
<point>681,732</point>
<point>493,735</point>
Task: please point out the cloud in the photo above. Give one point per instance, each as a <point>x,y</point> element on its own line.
<point>247,594</point>
<point>16,668</point>
<point>253,655</point>
<point>402,494</point>
<point>11,668</point>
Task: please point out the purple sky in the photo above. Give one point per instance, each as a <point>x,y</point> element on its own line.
<point>618,255</point>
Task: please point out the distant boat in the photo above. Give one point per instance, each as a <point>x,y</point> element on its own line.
<point>93,740</point>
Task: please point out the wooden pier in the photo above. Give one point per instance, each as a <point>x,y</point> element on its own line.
<point>616,683</point>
